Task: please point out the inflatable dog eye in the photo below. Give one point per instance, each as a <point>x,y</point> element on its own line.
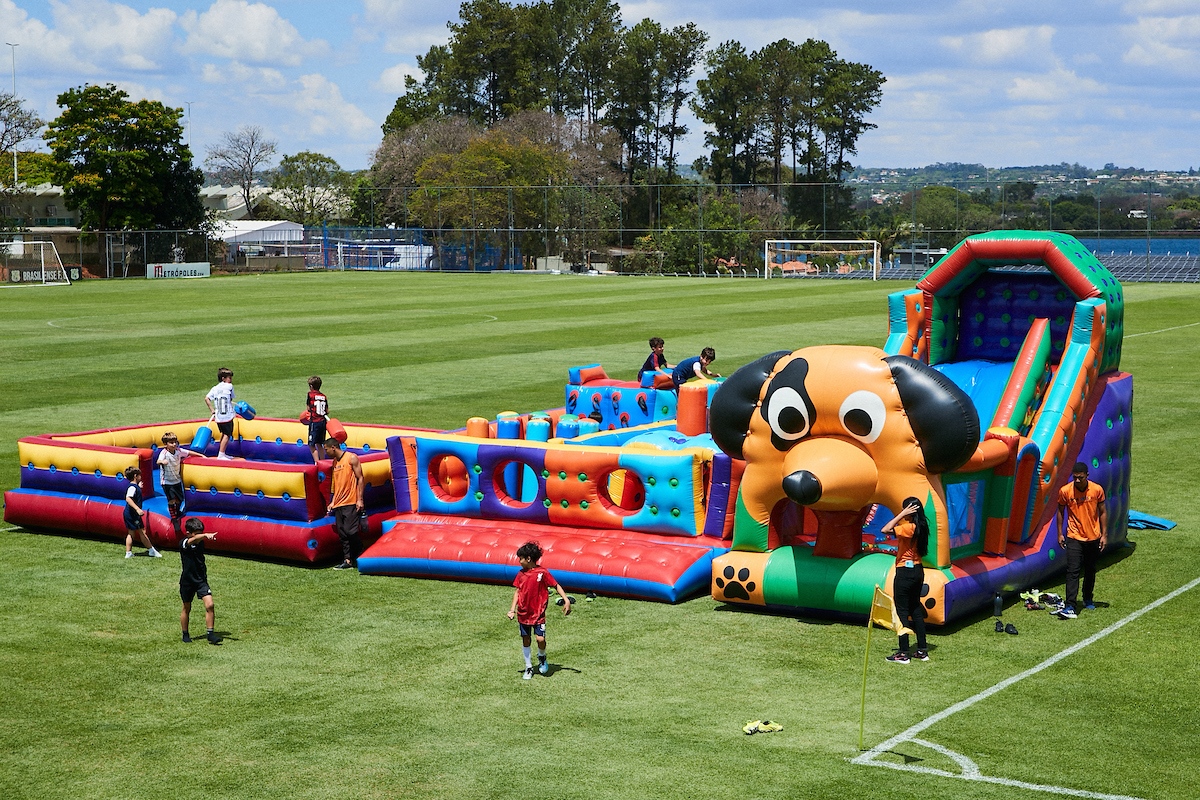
<point>734,402</point>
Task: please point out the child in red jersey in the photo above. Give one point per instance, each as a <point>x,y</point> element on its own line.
<point>318,416</point>
<point>529,604</point>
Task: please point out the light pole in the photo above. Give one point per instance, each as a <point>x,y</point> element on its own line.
<point>14,46</point>
<point>188,103</point>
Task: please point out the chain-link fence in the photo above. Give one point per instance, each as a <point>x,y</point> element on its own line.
<point>1142,230</point>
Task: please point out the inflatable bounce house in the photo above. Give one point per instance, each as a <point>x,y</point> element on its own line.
<point>1000,370</point>
<point>768,489</point>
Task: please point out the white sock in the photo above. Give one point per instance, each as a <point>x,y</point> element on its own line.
<point>525,651</point>
<point>541,654</point>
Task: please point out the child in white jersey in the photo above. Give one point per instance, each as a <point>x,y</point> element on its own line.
<point>220,403</point>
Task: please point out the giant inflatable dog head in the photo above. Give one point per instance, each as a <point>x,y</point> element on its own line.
<point>837,428</point>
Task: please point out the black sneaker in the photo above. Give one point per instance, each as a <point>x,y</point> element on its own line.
<point>213,638</point>
<point>999,626</point>
<point>920,655</point>
<point>344,565</point>
<point>898,657</point>
<point>186,639</point>
<point>1010,629</point>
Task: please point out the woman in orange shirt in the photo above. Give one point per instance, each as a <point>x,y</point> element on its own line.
<point>912,544</point>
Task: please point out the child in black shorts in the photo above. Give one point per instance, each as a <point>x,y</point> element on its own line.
<point>193,580</point>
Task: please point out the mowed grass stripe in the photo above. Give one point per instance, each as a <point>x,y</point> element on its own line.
<point>337,685</point>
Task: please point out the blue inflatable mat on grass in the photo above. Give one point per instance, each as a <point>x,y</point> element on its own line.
<point>1140,521</point>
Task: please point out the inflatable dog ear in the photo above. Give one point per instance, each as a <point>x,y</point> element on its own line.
<point>942,416</point>
<point>733,404</point>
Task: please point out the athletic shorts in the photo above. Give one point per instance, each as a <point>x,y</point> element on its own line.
<point>174,494</point>
<point>226,428</point>
<point>133,522</point>
<point>538,629</point>
<point>316,433</point>
<point>189,590</point>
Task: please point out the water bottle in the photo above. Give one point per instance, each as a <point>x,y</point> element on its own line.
<point>997,605</point>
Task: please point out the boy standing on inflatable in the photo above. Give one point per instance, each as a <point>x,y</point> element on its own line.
<point>529,603</point>
<point>318,415</point>
<point>220,404</point>
<point>1083,534</point>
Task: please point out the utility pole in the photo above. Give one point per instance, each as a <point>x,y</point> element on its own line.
<point>14,47</point>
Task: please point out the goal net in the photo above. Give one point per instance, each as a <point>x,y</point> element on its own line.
<point>814,258</point>
<point>35,263</point>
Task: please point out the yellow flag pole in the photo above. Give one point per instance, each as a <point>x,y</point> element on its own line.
<point>862,714</point>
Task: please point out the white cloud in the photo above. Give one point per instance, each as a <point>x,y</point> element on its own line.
<point>248,32</point>
<point>255,79</point>
<point>1170,43</point>
<point>391,80</point>
<point>320,110</point>
<point>1052,87</point>
<point>1004,45</point>
<point>89,37</point>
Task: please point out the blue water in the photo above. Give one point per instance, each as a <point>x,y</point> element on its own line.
<point>1158,247</point>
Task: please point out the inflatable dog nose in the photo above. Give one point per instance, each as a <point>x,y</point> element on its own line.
<point>803,487</point>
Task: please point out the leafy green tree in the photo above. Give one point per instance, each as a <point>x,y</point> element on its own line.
<point>728,100</point>
<point>17,124</point>
<point>124,164</point>
<point>311,188</point>
<point>638,90</point>
<point>35,168</point>
<point>682,51</point>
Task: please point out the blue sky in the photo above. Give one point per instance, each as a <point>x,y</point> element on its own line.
<point>999,83</point>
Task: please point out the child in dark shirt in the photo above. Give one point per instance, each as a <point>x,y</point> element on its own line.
<point>193,580</point>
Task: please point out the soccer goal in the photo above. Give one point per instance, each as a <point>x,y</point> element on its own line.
<point>32,263</point>
<point>798,258</point>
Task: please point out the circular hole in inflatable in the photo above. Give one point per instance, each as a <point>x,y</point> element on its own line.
<point>516,484</point>
<point>622,492</point>
<point>448,478</point>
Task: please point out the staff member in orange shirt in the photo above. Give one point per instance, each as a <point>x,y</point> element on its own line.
<point>1083,534</point>
<point>347,501</point>
<point>912,544</point>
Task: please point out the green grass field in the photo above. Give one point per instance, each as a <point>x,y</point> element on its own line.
<point>334,685</point>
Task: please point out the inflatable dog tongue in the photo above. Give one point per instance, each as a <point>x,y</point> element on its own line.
<point>836,429</point>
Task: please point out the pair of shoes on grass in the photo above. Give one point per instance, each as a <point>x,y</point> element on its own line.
<point>761,726</point>
<point>1066,612</point>
<point>211,636</point>
<point>1009,628</point>
<point>903,658</point>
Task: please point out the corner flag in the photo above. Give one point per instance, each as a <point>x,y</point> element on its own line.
<point>883,613</point>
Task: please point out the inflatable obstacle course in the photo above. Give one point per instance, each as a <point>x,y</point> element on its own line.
<point>1000,369</point>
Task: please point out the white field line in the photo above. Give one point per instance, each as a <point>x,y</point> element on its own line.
<point>870,757</point>
<point>1161,330</point>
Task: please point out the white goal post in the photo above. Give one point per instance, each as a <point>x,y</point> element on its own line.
<point>32,264</point>
<point>814,257</point>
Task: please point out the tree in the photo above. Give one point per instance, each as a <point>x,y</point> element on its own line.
<point>311,188</point>
<point>394,165</point>
<point>124,164</point>
<point>17,124</point>
<point>239,159</point>
<point>682,52</point>
<point>728,99</point>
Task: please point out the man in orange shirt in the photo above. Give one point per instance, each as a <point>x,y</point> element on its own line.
<point>1082,534</point>
<point>347,501</point>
